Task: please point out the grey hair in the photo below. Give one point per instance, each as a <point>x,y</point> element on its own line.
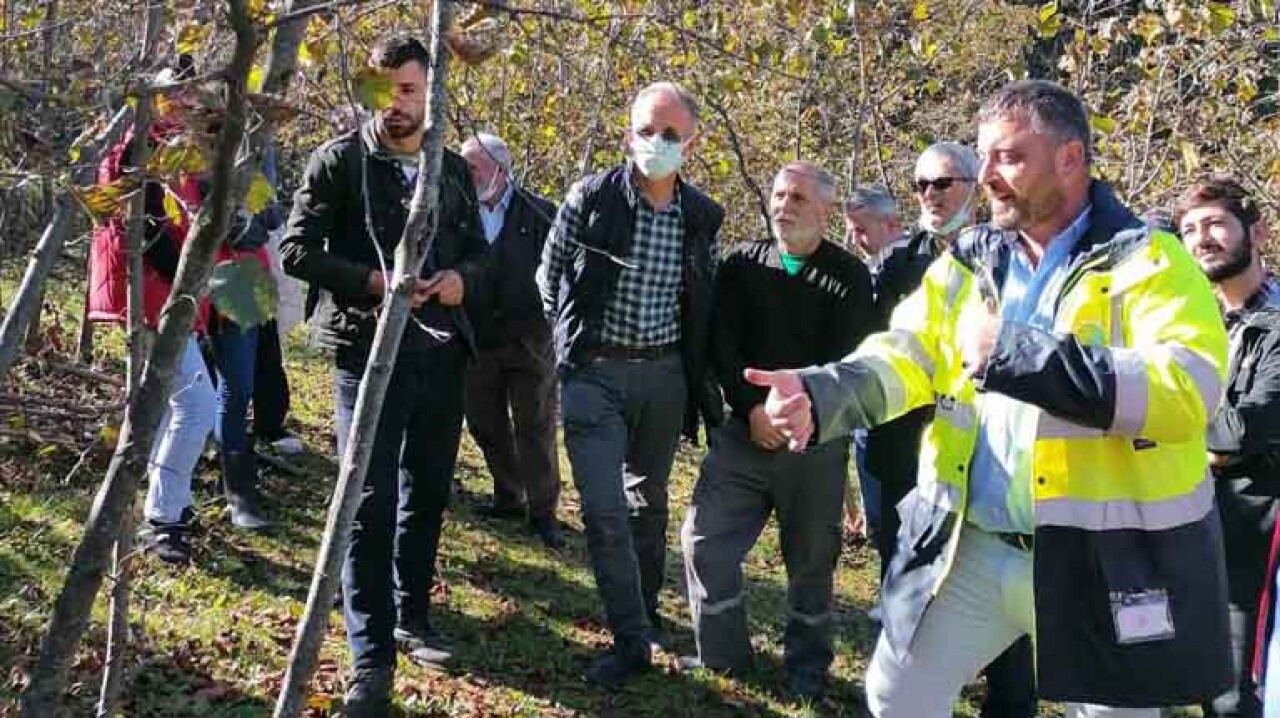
<point>688,100</point>
<point>491,145</point>
<point>961,157</point>
<point>873,197</point>
<point>1048,106</point>
<point>823,180</point>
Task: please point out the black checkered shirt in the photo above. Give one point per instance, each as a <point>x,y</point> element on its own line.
<point>644,310</point>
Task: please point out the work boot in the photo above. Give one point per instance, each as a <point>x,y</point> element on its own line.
<point>369,693</point>
<point>548,529</point>
<point>424,645</point>
<point>613,669</point>
<point>170,540</point>
<point>240,483</point>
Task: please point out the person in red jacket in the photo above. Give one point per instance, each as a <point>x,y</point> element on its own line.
<point>187,421</point>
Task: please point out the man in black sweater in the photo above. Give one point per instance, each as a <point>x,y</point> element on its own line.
<point>785,303</point>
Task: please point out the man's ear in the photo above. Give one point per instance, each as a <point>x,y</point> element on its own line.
<point>1071,156</point>
<point>1259,234</point>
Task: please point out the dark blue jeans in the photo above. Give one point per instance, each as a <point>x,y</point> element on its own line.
<point>270,385</point>
<point>390,564</point>
<point>234,352</point>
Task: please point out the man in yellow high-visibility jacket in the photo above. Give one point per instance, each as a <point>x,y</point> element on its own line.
<point>1074,358</point>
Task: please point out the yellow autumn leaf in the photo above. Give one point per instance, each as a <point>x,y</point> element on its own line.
<point>172,208</point>
<point>259,194</point>
<point>1102,124</point>
<point>920,12</point>
<point>1221,17</point>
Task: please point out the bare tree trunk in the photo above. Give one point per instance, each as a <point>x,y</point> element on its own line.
<point>84,334</point>
<point>27,301</point>
<point>116,666</point>
<point>46,254</point>
<point>128,464</point>
<point>411,252</point>
<point>50,32</point>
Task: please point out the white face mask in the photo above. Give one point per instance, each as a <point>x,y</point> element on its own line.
<point>656,157</point>
<point>958,220</point>
<point>493,190</point>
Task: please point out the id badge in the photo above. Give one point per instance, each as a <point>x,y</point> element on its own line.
<point>1141,616</point>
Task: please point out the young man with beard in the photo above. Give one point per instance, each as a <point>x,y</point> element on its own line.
<point>1223,229</point>
<point>626,278</point>
<point>790,302</point>
<point>1073,358</point>
<point>341,240</point>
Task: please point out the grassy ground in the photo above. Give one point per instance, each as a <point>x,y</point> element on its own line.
<point>212,639</point>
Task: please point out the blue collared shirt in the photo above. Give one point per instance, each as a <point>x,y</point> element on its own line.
<point>492,219</point>
<point>1000,475</point>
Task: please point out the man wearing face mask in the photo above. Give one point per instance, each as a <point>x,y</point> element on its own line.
<point>945,185</point>
<point>788,302</point>
<point>511,387</point>
<point>626,278</point>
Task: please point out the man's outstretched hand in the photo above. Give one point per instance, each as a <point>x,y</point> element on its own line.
<point>787,407</point>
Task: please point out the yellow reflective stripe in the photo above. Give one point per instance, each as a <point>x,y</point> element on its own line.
<point>1130,412</point>
<point>957,413</point>
<point>1052,427</point>
<point>907,343</point>
<point>1127,513</point>
<point>713,609</point>
<point>1203,373</point>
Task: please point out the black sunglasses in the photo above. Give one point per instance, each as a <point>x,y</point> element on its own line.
<point>942,184</point>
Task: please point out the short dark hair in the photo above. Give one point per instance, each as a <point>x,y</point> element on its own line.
<point>1048,106</point>
<point>397,50</point>
<point>1219,189</point>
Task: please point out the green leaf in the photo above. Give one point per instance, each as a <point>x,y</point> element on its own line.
<point>373,88</point>
<point>259,194</point>
<point>244,291</point>
<point>1049,28</point>
<point>1271,34</point>
<point>1102,124</point>
<point>1047,11</point>
<point>1221,17</point>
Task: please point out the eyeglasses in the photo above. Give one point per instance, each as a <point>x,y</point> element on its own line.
<point>669,134</point>
<point>942,184</point>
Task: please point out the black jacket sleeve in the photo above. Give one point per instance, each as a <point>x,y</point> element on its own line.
<point>729,330</point>
<point>855,316</point>
<point>1248,429</point>
<point>159,251</point>
<point>316,204</point>
<point>1054,372</point>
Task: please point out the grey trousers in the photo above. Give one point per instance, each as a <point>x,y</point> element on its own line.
<point>740,485</point>
<point>622,422</point>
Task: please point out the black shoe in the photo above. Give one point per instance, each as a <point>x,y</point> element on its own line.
<point>806,686</point>
<point>495,511</point>
<point>369,693</point>
<point>424,645</point>
<point>240,483</point>
<point>548,529</point>
<point>616,667</point>
<point>171,541</point>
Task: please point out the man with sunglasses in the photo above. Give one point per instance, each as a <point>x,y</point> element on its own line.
<point>626,279</point>
<point>945,184</point>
